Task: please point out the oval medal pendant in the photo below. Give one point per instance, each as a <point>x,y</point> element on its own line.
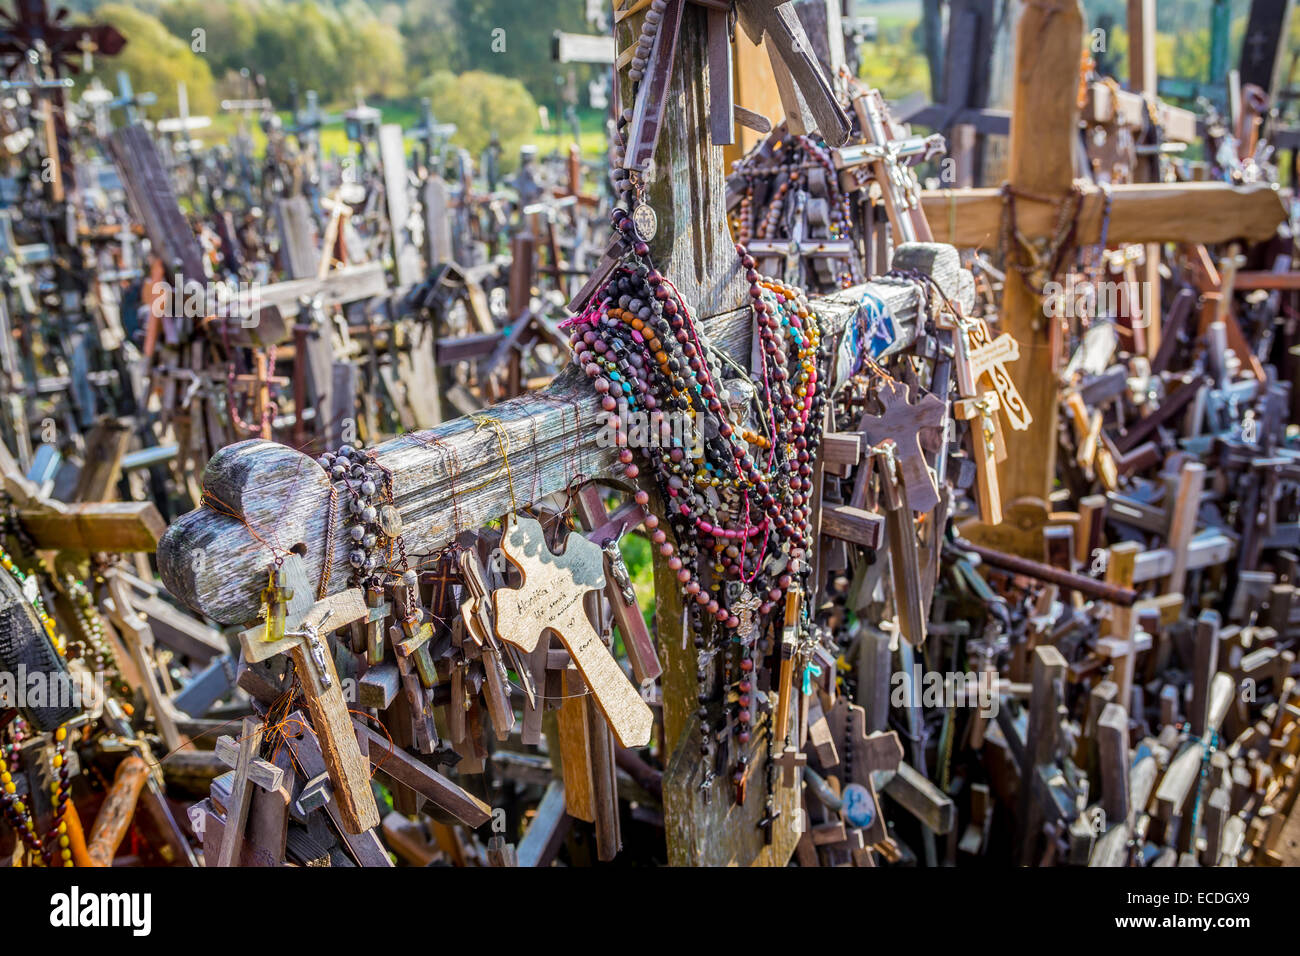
<point>645,221</point>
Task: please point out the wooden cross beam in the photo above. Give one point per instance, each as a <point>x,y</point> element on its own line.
<point>1044,131</point>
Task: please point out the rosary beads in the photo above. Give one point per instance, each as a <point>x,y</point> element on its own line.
<point>737,497</point>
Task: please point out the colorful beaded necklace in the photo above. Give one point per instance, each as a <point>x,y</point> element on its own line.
<point>15,811</point>
<point>738,501</point>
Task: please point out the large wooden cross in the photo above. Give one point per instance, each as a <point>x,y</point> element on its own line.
<point>477,468</point>
<point>1044,138</point>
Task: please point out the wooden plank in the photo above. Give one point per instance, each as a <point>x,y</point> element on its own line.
<point>423,779</point>
<point>118,526</point>
<point>1189,212</point>
<point>261,491</point>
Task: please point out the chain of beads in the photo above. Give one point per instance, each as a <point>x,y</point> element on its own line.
<point>645,42</point>
<point>803,155</point>
<point>15,811</point>
<point>643,352</point>
<point>364,478</point>
<point>101,656</point>
<point>20,817</point>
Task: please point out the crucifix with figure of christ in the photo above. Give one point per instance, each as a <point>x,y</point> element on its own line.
<point>1042,192</point>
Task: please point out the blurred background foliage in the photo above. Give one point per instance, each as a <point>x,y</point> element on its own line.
<point>486,64</point>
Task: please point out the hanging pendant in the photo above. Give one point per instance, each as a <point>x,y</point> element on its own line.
<point>645,222</point>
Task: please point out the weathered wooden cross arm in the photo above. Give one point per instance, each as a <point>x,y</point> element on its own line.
<point>446,480</point>
<point>1140,212</point>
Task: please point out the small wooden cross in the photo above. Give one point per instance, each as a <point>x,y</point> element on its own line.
<point>988,448</point>
<point>791,761</point>
<point>903,421</point>
<point>478,624</point>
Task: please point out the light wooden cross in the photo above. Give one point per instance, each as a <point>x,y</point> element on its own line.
<point>551,599</point>
<point>987,447</point>
<point>305,640</point>
<point>1044,131</point>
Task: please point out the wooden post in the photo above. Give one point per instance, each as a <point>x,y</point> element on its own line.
<point>1044,127</point>
<point>1142,79</point>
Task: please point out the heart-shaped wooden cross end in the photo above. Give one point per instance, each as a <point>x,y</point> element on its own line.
<point>551,598</point>
<point>256,494</point>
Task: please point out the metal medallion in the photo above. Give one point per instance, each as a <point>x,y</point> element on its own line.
<point>645,221</point>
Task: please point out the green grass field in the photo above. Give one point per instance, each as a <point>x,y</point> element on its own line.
<point>407,115</point>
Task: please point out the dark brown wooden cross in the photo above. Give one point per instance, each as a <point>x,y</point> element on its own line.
<point>863,754</point>
<point>902,421</point>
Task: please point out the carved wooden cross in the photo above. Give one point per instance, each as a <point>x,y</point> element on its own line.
<point>980,359</point>
<point>902,422</point>
<point>1044,130</point>
<point>551,599</point>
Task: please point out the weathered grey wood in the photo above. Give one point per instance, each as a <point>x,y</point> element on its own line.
<point>294,225</point>
<point>542,839</point>
<point>1040,743</point>
<point>406,257</point>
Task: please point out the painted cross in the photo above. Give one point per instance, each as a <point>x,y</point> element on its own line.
<point>863,754</point>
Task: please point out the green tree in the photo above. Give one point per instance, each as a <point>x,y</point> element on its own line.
<point>482,104</point>
<point>370,56</point>
<point>229,30</point>
<point>156,61</point>
<point>433,38</point>
<point>295,43</point>
<point>513,38</point>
